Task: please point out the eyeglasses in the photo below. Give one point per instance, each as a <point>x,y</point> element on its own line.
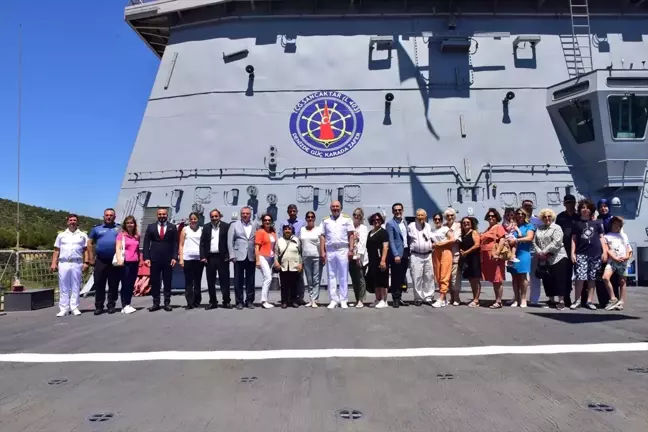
<point>310,217</point>
<point>357,216</point>
<point>491,216</point>
<point>398,210</point>
<point>437,219</point>
<point>267,221</point>
<point>213,217</point>
<point>520,214</point>
<point>546,217</point>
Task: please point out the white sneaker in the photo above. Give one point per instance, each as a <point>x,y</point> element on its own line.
<point>360,305</point>
<point>332,305</point>
<point>314,305</point>
<point>344,305</point>
<point>514,304</point>
<point>309,304</point>
<point>128,309</point>
<point>381,304</point>
<point>440,303</point>
<point>267,305</point>
<point>575,305</point>
<point>62,313</point>
<point>76,312</point>
<point>456,303</point>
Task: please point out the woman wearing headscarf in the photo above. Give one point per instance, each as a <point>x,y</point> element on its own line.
<point>553,262</point>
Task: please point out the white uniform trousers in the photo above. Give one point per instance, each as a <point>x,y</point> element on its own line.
<point>422,276</point>
<point>534,282</point>
<point>338,273</point>
<point>70,278</point>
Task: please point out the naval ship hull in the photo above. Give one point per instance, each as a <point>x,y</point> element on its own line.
<point>452,107</point>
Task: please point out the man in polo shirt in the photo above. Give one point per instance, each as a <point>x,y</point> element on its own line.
<point>296,224</point>
<point>101,248</point>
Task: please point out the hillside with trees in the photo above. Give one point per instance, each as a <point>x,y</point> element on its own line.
<point>39,226</point>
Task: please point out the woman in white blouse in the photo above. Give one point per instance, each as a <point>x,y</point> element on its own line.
<point>360,259</point>
<point>189,254</point>
<point>310,242</point>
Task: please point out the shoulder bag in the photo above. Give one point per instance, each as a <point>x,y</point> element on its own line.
<point>122,252</point>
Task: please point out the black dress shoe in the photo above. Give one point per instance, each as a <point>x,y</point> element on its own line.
<point>168,308</point>
<point>301,303</point>
<point>250,306</point>
<point>196,305</point>
<point>395,304</point>
<point>239,306</point>
<point>417,303</point>
<point>295,305</point>
<point>284,306</point>
<point>98,311</point>
<point>154,308</point>
<point>402,303</point>
<point>227,306</point>
<point>189,307</point>
<point>111,310</point>
<point>211,306</point>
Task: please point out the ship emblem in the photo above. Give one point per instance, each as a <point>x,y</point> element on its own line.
<point>326,124</point>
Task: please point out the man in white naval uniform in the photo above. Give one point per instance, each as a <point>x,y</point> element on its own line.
<point>71,260</point>
<point>336,248</point>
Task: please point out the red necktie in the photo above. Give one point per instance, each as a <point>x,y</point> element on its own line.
<point>161,232</point>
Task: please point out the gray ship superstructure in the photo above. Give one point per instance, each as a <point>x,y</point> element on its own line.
<point>436,104</point>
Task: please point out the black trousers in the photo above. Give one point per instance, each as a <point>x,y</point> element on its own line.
<point>217,265</point>
<point>129,277</point>
<point>193,270</point>
<point>559,282</point>
<point>289,287</point>
<point>161,272</point>
<point>104,272</point>
<point>244,277</point>
<point>399,275</point>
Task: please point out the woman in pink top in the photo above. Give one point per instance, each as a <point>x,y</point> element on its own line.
<point>127,253</point>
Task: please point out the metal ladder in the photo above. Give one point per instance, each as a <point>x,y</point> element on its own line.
<point>581,37</point>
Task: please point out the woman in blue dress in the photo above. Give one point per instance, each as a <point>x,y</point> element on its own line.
<point>520,270</point>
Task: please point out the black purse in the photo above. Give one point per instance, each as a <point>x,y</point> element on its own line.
<point>543,271</point>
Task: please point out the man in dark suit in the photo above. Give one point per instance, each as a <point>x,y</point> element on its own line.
<point>398,254</point>
<point>214,253</point>
<point>161,254</point>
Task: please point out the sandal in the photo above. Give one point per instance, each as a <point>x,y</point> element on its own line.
<point>496,305</point>
<point>473,304</point>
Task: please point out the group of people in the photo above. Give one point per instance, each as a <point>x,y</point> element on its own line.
<point>553,249</point>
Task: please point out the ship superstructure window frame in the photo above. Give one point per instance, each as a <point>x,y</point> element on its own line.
<point>628,115</point>
<point>577,115</point>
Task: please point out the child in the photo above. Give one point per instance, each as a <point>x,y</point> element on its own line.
<point>619,252</point>
<point>506,251</point>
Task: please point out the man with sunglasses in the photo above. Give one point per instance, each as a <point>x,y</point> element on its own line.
<point>215,255</point>
<point>296,224</point>
<point>398,254</point>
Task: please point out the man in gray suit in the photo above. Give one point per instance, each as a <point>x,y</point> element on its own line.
<point>240,242</point>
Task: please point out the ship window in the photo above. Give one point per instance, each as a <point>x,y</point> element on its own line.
<point>578,117</point>
<point>628,115</point>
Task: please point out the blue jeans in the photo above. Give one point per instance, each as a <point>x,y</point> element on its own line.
<point>313,270</point>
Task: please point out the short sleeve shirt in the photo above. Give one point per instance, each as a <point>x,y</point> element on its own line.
<point>71,245</point>
<point>105,238</point>
<point>588,238</point>
<point>336,231</point>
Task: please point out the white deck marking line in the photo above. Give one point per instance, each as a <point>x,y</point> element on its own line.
<point>322,353</point>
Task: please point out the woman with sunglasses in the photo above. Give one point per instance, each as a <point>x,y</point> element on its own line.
<point>520,269</point>
<point>359,261</point>
<point>491,265</point>
<point>377,272</point>
<point>455,276</point>
<point>288,261</point>
<point>264,246</point>
<point>443,238</point>
<point>312,264</point>
<point>470,260</point>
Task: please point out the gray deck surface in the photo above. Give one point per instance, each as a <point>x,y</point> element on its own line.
<point>488,393</point>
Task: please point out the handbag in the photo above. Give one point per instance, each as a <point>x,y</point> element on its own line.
<point>543,271</point>
<point>278,270</point>
<point>122,252</point>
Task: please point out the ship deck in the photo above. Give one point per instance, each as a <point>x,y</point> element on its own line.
<point>486,391</point>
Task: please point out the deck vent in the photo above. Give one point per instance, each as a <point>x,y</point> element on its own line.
<point>456,45</point>
<point>236,55</point>
<point>381,42</point>
<point>533,40</point>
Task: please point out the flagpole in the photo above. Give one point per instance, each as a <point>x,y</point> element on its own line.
<point>17,286</point>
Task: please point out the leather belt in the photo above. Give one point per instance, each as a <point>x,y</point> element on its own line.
<point>71,260</point>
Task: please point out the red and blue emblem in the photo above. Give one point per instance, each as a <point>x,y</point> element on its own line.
<point>326,124</point>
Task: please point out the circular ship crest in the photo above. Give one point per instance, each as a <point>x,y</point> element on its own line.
<point>326,124</point>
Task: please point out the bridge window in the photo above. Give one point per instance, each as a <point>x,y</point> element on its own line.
<point>578,117</point>
<point>628,116</point>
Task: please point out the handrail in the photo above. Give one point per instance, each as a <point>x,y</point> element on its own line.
<point>138,2</point>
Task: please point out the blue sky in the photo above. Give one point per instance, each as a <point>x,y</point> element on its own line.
<point>86,79</point>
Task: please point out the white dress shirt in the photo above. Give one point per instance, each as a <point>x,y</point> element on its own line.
<point>213,245</point>
<point>420,238</point>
